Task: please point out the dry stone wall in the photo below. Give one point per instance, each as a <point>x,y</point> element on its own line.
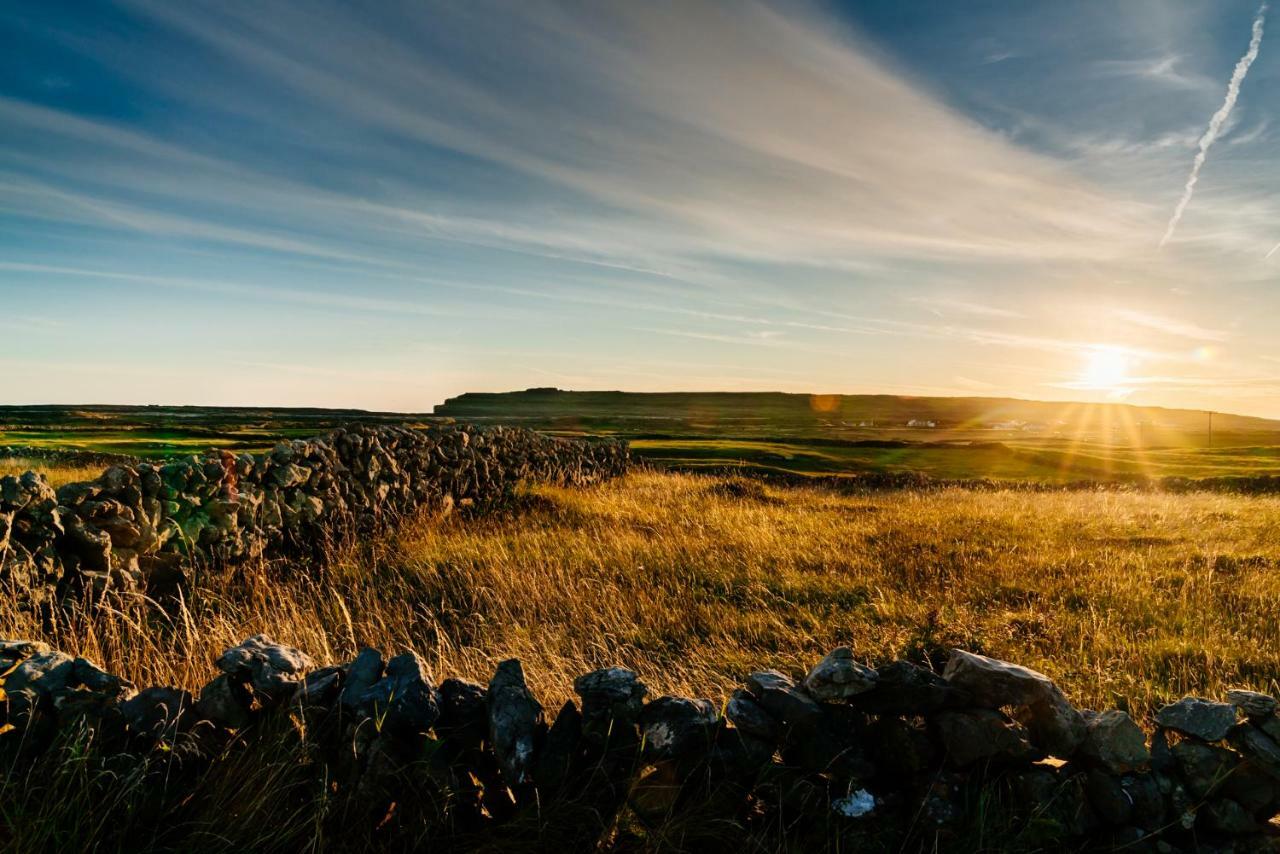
<point>892,758</point>
<point>138,526</point>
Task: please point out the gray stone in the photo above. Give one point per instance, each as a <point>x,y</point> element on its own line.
<point>1204,767</point>
<point>1054,724</point>
<point>1269,725</point>
<point>1114,741</point>
<point>1107,797</point>
<point>273,670</point>
<point>320,687</point>
<point>404,702</point>
<point>1259,747</point>
<point>1199,718</point>
<point>560,750</point>
<point>779,696</point>
<point>226,703</point>
<point>43,676</point>
<point>13,651</point>
<point>462,708</point>
<point>838,676</point>
<point>1226,816</point>
<point>515,718</point>
<point>157,711</point>
<point>675,727</point>
<point>1253,703</point>
<point>903,688</point>
<point>1144,794</point>
<point>90,677</point>
<point>974,735</point>
<point>612,698</point>
<point>137,525</point>
<point>750,717</point>
<point>361,676</point>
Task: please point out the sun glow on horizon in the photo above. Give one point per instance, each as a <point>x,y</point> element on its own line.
<point>1106,368</point>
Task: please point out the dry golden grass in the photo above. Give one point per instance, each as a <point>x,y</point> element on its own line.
<point>1124,599</point>
<point>56,473</point>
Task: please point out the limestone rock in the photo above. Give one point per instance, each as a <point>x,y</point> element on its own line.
<point>225,702</point>
<point>1107,797</point>
<point>973,735</point>
<point>462,710</point>
<point>675,727</point>
<point>39,679</point>
<point>361,676</point>
<point>560,750</point>
<point>515,718</point>
<point>1114,741</point>
<point>903,688</point>
<point>1055,725</point>
<point>779,696</point>
<point>1253,703</point>
<point>1204,767</point>
<point>1226,816</point>
<point>1199,718</point>
<point>611,701</point>
<point>404,701</point>
<point>273,670</point>
<point>157,712</point>
<point>1258,746</point>
<point>750,717</point>
<point>838,676</point>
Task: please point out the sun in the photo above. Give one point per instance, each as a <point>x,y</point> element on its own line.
<point>1106,368</point>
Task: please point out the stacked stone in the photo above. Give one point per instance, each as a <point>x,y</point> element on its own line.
<point>137,526</point>
<point>890,752</point>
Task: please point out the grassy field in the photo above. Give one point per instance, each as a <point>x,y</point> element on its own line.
<point>159,432</point>
<point>56,474</point>
<point>1126,599</point>
<point>1043,461</point>
<point>949,438</point>
<point>751,433</point>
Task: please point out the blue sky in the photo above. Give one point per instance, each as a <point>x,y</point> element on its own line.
<point>380,205</point>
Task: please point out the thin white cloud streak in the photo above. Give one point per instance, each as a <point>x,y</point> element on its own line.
<point>941,305</point>
<point>242,290</point>
<point>1218,120</point>
<point>1163,70</point>
<point>1170,325</point>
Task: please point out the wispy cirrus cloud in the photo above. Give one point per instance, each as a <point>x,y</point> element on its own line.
<point>1170,325</point>
<point>1166,70</point>
<point>941,306</point>
<point>760,179</point>
<point>764,135</point>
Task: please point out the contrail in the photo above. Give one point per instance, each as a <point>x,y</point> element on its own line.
<point>1218,120</point>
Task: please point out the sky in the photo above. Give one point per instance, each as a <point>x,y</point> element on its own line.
<point>380,205</point>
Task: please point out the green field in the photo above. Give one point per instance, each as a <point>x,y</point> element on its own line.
<point>1048,461</point>
<point>162,432</point>
<point>947,438</point>
<point>956,438</point>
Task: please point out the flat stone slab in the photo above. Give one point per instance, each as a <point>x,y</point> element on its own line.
<point>1199,718</point>
<point>1253,703</point>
